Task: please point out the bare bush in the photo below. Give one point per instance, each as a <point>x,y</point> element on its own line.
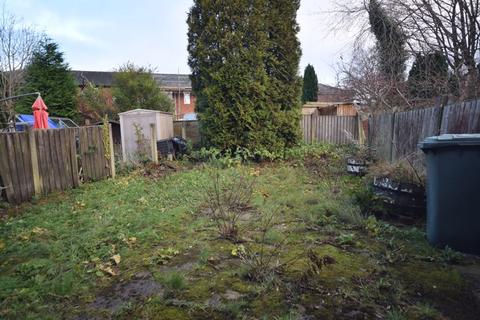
<point>228,199</point>
<point>262,259</point>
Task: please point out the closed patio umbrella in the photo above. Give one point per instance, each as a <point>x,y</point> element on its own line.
<point>40,114</point>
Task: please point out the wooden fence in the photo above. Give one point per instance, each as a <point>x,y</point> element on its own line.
<point>188,130</point>
<point>329,129</point>
<point>396,135</point>
<point>43,161</point>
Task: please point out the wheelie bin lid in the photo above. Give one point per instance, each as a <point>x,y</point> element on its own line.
<point>450,140</point>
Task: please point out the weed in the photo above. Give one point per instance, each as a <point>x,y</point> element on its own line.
<point>346,239</point>
<point>175,281</point>
<point>424,311</point>
<point>141,154</point>
<point>234,308</point>
<point>395,315</point>
<point>368,202</point>
<point>292,315</point>
<point>317,263</point>
<point>451,256</point>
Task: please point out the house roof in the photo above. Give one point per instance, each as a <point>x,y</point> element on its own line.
<point>326,89</point>
<point>334,95</point>
<point>105,79</point>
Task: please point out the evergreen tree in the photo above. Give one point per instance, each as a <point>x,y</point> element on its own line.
<point>134,87</point>
<point>390,42</point>
<point>244,60</point>
<point>50,75</point>
<point>283,57</point>
<point>310,85</point>
<point>428,76</point>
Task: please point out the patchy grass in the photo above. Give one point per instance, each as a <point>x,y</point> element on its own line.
<point>138,247</point>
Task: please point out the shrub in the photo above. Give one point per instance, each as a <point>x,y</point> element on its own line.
<point>403,170</point>
<point>262,260</point>
<point>228,198</point>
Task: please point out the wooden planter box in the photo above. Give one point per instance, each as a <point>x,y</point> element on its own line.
<point>357,167</point>
<point>401,199</point>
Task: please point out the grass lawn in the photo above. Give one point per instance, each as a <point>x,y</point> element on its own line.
<point>143,248</point>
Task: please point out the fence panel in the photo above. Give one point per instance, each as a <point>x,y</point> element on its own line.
<point>395,135</point>
<point>329,129</point>
<point>15,168</point>
<point>44,161</point>
<point>461,118</point>
<point>93,160</point>
<point>380,135</point>
<point>188,130</point>
<point>412,127</point>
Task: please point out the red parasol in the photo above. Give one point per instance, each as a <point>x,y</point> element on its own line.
<point>40,114</point>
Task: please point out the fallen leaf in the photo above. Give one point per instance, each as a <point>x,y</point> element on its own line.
<point>108,270</point>
<point>2,245</point>
<point>117,258</point>
<point>39,231</point>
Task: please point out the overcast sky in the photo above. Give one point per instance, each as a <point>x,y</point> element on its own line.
<point>103,34</point>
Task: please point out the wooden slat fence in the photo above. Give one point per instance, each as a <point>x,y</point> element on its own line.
<point>189,130</point>
<point>43,161</point>
<point>94,164</point>
<point>461,118</point>
<point>396,135</point>
<point>329,129</point>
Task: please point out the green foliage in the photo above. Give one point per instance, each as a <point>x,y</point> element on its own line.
<point>428,76</point>
<point>451,256</point>
<point>346,239</point>
<point>395,315</point>
<point>310,85</point>
<point>244,59</point>
<point>391,41</point>
<point>92,102</point>
<point>49,74</point>
<point>134,87</point>
<point>175,281</point>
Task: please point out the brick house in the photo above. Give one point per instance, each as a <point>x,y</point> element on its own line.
<point>177,86</point>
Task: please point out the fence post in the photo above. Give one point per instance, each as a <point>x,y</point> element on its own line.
<point>153,142</point>
<point>312,135</point>
<point>440,121</point>
<point>184,130</point>
<point>113,171</point>
<point>361,133</point>
<point>37,180</point>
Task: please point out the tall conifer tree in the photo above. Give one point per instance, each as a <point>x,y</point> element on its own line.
<point>244,60</point>
<point>49,74</point>
<point>310,85</point>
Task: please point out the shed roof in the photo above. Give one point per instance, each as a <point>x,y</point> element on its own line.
<point>137,111</point>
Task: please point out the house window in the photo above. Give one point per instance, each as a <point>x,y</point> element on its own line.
<point>186,98</point>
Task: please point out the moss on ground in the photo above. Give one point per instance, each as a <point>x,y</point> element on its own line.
<point>58,255</point>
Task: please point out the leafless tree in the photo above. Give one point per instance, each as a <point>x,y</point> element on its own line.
<point>363,74</point>
<point>17,45</point>
<point>451,27</point>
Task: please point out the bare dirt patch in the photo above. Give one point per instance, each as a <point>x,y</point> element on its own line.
<point>141,287</point>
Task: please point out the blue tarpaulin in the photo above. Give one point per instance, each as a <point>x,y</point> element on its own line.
<point>27,118</point>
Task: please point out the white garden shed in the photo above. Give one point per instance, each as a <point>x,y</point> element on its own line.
<point>136,131</point>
